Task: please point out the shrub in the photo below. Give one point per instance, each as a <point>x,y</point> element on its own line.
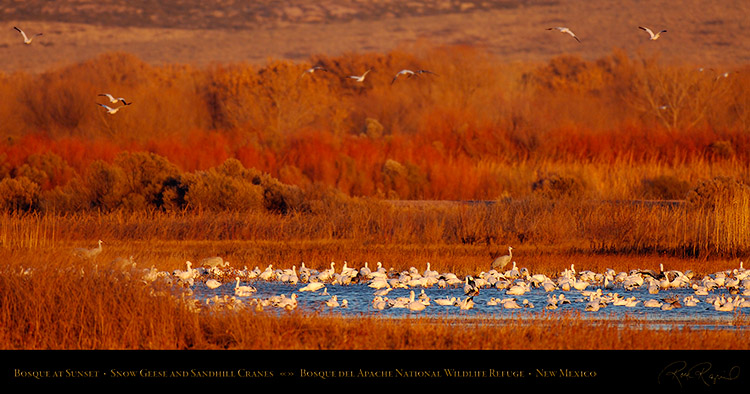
<point>145,175</point>
<point>19,194</point>
<point>48,170</point>
<point>104,186</point>
<point>665,187</point>
<point>718,192</point>
<point>555,186</point>
<point>721,149</point>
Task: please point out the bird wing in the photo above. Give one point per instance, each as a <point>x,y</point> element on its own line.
<point>651,33</point>
<point>22,33</point>
<point>105,106</point>
<point>571,33</point>
<point>109,96</point>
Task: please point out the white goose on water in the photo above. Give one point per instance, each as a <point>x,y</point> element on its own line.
<point>212,283</point>
<point>243,291</point>
<point>313,286</point>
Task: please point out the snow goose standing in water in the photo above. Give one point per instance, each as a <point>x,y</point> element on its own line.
<point>213,283</point>
<point>313,286</point>
<point>333,301</point>
<point>445,301</point>
<point>415,305</point>
<point>651,33</point>
<point>243,291</point>
<point>27,40</point>
<point>470,288</point>
<point>565,30</point>
<point>467,303</point>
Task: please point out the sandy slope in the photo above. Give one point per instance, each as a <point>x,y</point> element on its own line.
<point>705,32</point>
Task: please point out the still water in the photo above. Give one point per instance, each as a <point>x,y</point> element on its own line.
<point>360,296</point>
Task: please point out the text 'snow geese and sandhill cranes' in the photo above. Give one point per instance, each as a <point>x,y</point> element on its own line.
<point>26,39</point>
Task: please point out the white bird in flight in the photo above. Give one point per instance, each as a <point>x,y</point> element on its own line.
<point>565,30</point>
<point>410,73</point>
<point>360,78</point>
<point>26,39</point>
<point>312,70</point>
<point>114,110</point>
<point>112,99</point>
<point>651,33</point>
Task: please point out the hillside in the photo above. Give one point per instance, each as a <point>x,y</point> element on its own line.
<point>701,32</point>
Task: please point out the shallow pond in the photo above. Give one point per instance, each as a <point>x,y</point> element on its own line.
<point>360,296</point>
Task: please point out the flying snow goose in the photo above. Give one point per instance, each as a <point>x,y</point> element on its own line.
<point>312,70</point>
<point>360,78</point>
<point>564,30</point>
<point>410,73</point>
<point>26,39</point>
<point>651,33</point>
<point>111,110</point>
<point>113,99</point>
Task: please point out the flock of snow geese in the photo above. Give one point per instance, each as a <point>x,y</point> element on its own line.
<point>723,291</point>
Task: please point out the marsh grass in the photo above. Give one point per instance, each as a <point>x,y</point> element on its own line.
<point>52,300</point>
<point>63,304</point>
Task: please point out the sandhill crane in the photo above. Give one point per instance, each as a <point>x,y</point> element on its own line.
<point>502,261</point>
<point>114,110</point>
<point>565,30</point>
<point>27,40</point>
<point>88,253</point>
<point>651,33</point>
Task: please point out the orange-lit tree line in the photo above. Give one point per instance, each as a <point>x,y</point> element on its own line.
<point>459,133</point>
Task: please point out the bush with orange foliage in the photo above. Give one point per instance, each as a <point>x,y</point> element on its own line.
<point>476,129</point>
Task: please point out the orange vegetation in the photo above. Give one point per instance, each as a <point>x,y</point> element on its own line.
<point>479,129</point>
